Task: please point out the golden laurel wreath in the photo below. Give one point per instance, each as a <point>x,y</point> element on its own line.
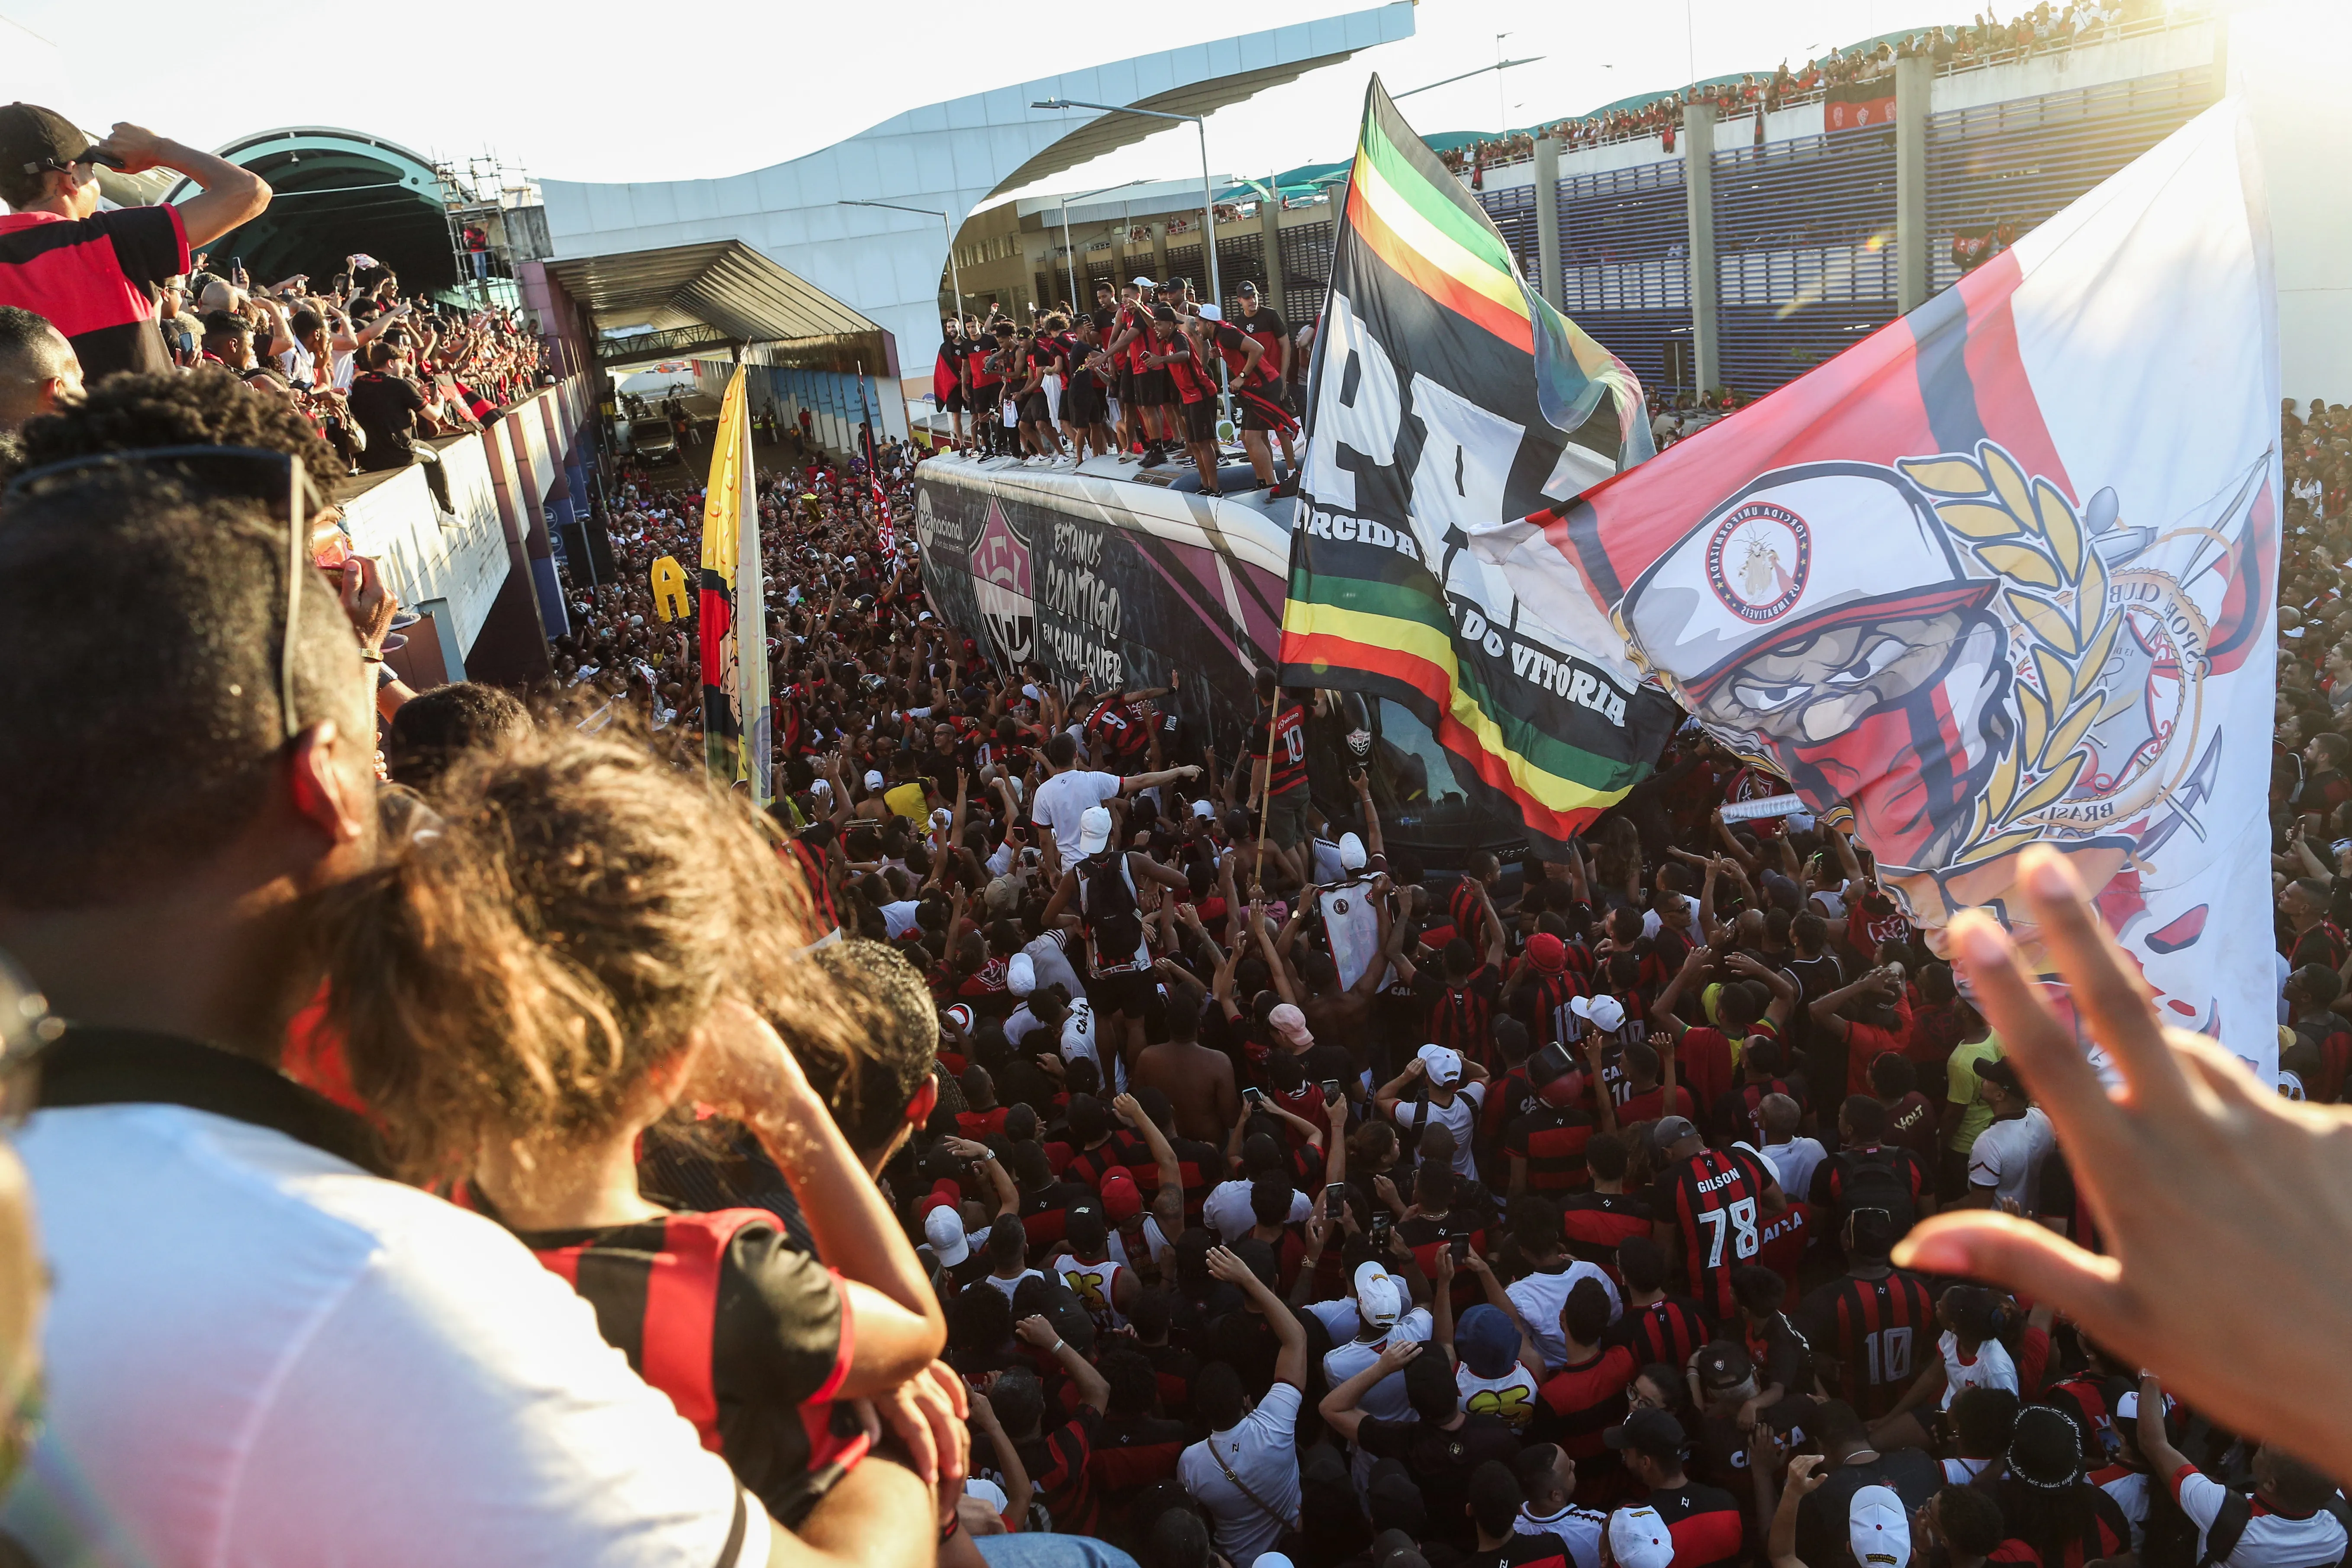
<point>2071,609</point>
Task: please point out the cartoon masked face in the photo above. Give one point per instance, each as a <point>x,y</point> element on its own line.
<point>1899,714</point>
<point>1871,673</point>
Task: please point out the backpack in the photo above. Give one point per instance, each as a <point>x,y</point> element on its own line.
<point>1114,922</point>
<point>1872,1182</point>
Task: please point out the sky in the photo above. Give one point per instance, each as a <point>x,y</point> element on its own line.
<point>566,92</point>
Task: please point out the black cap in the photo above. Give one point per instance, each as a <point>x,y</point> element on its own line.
<point>32,139</point>
<point>1996,1069</point>
<point>1163,313</point>
<point>1648,1431</point>
<point>1247,288</point>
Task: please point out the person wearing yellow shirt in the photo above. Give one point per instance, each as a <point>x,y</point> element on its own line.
<point>1966,1114</point>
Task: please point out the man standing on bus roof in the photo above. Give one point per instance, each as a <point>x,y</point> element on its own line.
<point>1278,777</point>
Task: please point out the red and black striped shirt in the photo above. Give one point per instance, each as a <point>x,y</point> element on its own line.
<point>1580,1401</point>
<point>1551,1140</point>
<point>1706,1523</point>
<point>1669,1330</point>
<point>1714,1198</point>
<point>1599,1223</point>
<point>96,279</point>
<point>1880,1333</point>
<point>750,1337</point>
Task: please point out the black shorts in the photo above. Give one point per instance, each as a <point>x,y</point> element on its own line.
<point>1201,420</point>
<point>1155,388</point>
<point>955,403</point>
<point>1127,992</point>
<point>1124,389</point>
<point>1261,410</point>
<point>1084,403</point>
<point>1035,409</point>
<point>985,400</point>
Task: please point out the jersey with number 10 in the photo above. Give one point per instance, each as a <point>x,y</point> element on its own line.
<point>1713,1198</point>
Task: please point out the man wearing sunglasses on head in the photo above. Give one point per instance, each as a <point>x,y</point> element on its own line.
<point>99,276</point>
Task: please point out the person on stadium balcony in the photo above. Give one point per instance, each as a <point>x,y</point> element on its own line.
<point>97,277</point>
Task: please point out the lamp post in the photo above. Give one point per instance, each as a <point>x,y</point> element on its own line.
<point>1070,257</point>
<point>1208,195</point>
<point>953,275</point>
<point>1466,76</point>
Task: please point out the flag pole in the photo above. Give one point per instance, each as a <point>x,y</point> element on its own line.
<point>1266,795</point>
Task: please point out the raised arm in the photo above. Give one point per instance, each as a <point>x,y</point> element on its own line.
<point>1290,1360</point>
<point>1168,1195</point>
<point>1784,990</point>
<point>1339,1408</point>
<point>229,195</point>
<point>1093,1392</point>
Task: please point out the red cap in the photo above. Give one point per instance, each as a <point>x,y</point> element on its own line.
<point>944,1193</point>
<point>1122,1199</point>
<point>1546,953</point>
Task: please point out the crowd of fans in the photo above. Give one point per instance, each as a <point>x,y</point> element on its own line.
<point>1986,41</point>
<point>1051,1132</point>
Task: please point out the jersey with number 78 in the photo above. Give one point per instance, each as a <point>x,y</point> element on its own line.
<point>1714,1199</point>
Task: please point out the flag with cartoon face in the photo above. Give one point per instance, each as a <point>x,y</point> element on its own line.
<point>2001,574</point>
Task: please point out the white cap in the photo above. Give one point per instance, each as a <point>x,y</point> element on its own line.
<point>874,779</point>
<point>1605,1014</point>
<point>1210,312</point>
<point>849,560</point>
<point>1205,810</point>
<point>961,1017</point>
<point>1444,1063</point>
<point>943,1229</point>
<point>941,817</point>
<point>1878,1529</point>
<point>1638,1538</point>
<point>1094,830</point>
<point>1021,974</point>
<point>1376,1300</point>
<point>1352,852</point>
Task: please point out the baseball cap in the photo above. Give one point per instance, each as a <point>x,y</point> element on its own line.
<point>1211,313</point>
<point>1163,313</point>
<point>32,139</point>
<point>1290,1024</point>
<point>1444,1063</point>
<point>1141,283</point>
<point>1004,895</point>
<point>1021,974</point>
<point>1093,829</point>
<point>1997,1069</point>
<point>1206,810</point>
<point>1486,1341</point>
<point>1605,1014</point>
<point>960,1015</point>
<point>1638,1537</point>
<point>1122,1199</point>
<point>1377,1301</point>
<point>944,1231</point>
<point>1546,953</point>
<point>874,779</point>
<point>1352,852</point>
<point>1247,288</point>
<point>1878,1530</point>
<point>1648,1431</point>
<point>1671,1130</point>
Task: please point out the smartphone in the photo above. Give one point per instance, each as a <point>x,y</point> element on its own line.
<point>1460,1248</point>
<point>1332,1092</point>
<point>235,265</point>
<point>1335,1199</point>
<point>1383,1224</point>
<point>1550,1063</point>
<point>1253,1098</point>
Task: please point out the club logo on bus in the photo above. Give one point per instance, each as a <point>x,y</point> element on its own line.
<point>1001,583</point>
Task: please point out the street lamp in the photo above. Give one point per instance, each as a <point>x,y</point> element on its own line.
<point>1466,76</point>
<point>1208,195</point>
<point>1070,257</point>
<point>953,275</point>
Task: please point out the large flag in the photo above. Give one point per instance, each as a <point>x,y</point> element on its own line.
<point>2001,573</point>
<point>735,717</point>
<point>1446,395</point>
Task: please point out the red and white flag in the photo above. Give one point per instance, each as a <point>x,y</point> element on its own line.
<point>2003,573</point>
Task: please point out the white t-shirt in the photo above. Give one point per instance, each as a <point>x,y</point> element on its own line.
<point>1227,1210</point>
<point>1540,1297</point>
<point>899,918</point>
<point>1988,1368</point>
<point>1263,1454</point>
<point>1792,1162</point>
<point>1063,799</point>
<point>1385,1398</point>
<point>1459,1118</point>
<point>2007,1155</point>
<point>1010,1286</point>
<point>260,1354</point>
<point>1510,1398</point>
<point>1960,1472</point>
<point>1050,954</point>
<point>1581,1527</point>
<point>2271,1539</point>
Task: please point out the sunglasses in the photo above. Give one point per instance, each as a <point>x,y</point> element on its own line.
<point>245,472</point>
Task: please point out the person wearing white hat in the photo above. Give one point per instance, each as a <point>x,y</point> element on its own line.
<point>1637,1538</point>
<point>1451,1103</point>
<point>944,1232</point>
<point>1383,1319</point>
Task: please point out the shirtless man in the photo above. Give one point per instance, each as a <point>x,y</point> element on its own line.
<point>1197,1080</point>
